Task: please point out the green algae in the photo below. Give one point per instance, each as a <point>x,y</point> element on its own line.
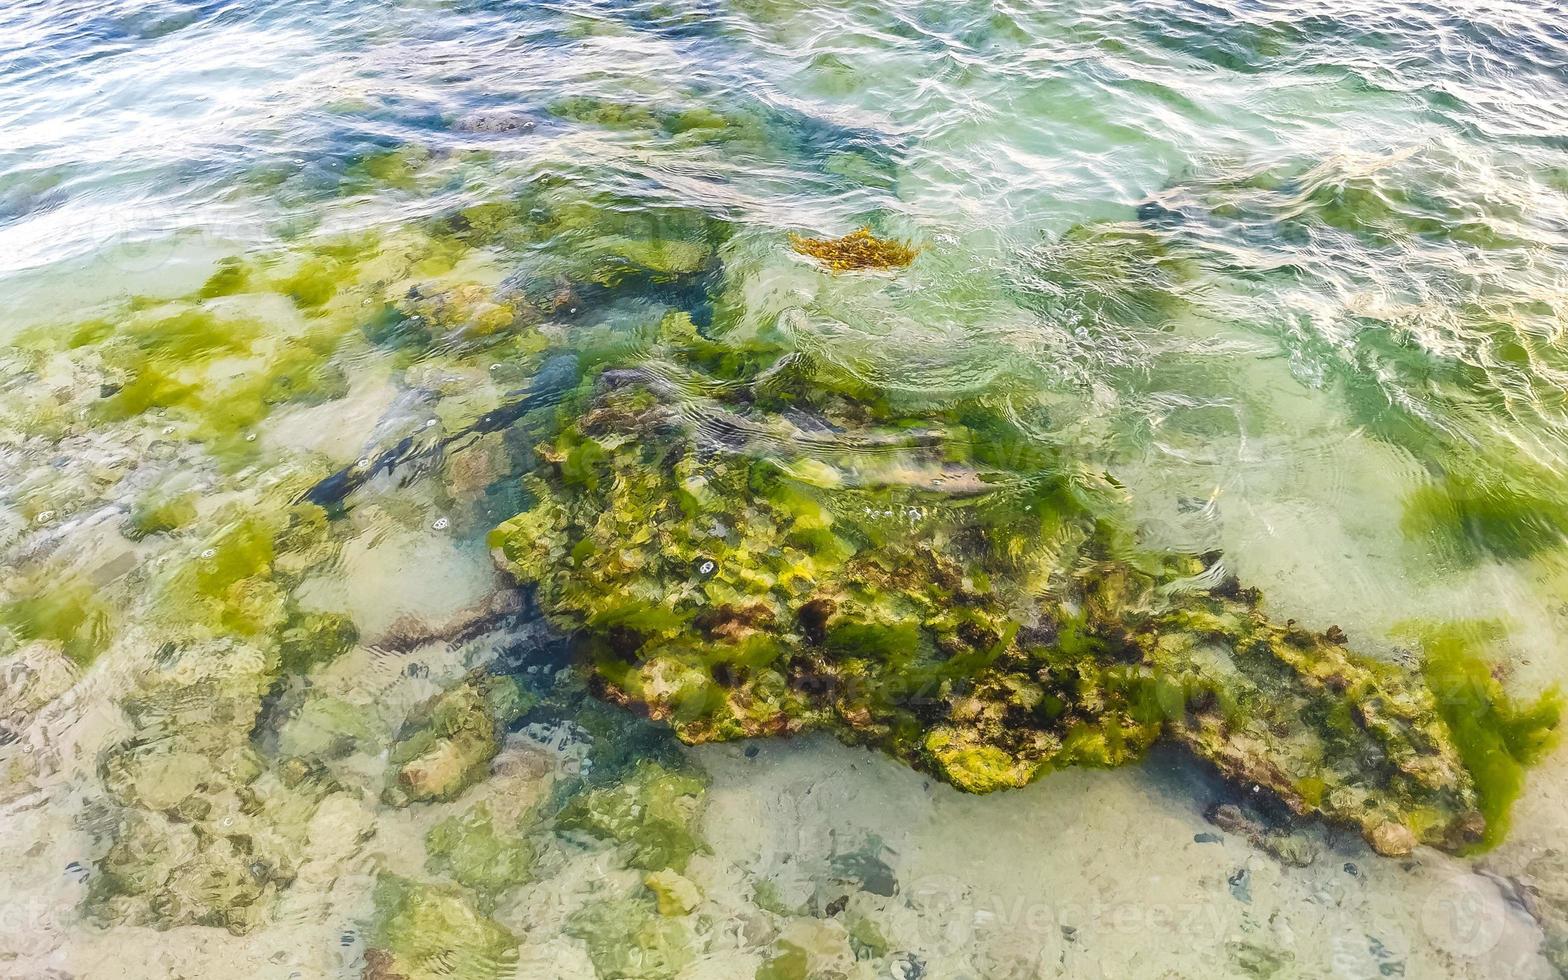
<point>1507,517</point>
<point>789,962</point>
<point>1497,737</point>
<point>604,113</point>
<point>1107,276</point>
<point>233,275</point>
<point>684,127</point>
<point>310,639</point>
<point>160,513</point>
<point>205,825</point>
<point>63,609</point>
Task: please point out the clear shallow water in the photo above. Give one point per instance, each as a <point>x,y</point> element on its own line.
<point>1295,276</point>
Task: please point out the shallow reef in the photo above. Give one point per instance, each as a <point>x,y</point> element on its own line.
<point>965,597</point>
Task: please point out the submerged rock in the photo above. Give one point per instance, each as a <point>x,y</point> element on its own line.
<point>427,931</point>
<point>627,937</point>
<point>985,638</point>
<point>447,743</point>
<point>481,852</point>
<point>652,813</point>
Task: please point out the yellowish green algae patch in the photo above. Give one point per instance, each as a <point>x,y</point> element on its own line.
<point>62,608</point>
<point>1497,737</point>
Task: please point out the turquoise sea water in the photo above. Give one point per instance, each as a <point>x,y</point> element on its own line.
<point>279,280</point>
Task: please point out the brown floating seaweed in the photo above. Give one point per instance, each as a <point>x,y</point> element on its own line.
<point>855,251</point>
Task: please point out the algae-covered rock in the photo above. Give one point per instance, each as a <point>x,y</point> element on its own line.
<point>987,629</point>
<point>160,514</point>
<point>652,813</point>
<point>627,939</point>
<point>426,931</point>
<point>311,639</point>
<point>324,727</point>
<point>205,827</point>
<point>446,745</point>
<point>478,854</point>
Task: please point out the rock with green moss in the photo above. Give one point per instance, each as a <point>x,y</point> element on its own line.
<point>160,514</point>
<point>424,932</point>
<point>966,597</point>
<point>314,725</point>
<point>206,824</point>
<point>480,855</point>
<point>652,813</point>
<point>627,939</point>
<point>311,639</point>
<point>447,743</point>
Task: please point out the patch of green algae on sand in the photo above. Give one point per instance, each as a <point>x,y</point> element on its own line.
<point>1496,738</point>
